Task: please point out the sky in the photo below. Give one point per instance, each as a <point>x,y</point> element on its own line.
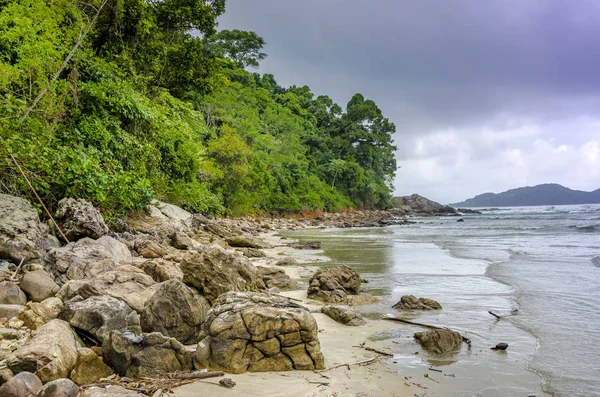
<point>485,95</point>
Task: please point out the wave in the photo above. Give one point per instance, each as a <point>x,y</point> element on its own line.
<point>586,229</point>
<point>596,261</point>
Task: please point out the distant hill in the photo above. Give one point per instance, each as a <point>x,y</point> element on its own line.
<point>546,194</point>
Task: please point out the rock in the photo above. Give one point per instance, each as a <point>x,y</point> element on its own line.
<point>213,271</point>
<point>38,285</point>
<point>439,340</point>
<point>420,204</point>
<point>334,284</point>
<point>6,374</point>
<point>9,334</point>
<point>78,218</point>
<point>127,283</point>
<point>24,384</point>
<point>500,346</point>
<point>154,354</point>
<point>252,252</point>
<point>410,302</point>
<point>247,242</point>
<point>163,219</point>
<point>110,391</point>
<point>277,278</point>
<point>54,304</point>
<point>36,315</point>
<point>175,311</point>
<point>311,245</point>
<point>59,388</point>
<point>89,368</point>
<point>227,382</point>
<point>11,294</point>
<point>10,311</point>
<point>343,314</point>
<point>21,233</point>
<point>149,249</point>
<point>287,261</point>
<point>248,331</point>
<point>182,241</point>
<point>99,315</point>
<point>162,270</point>
<point>50,354</point>
<point>85,259</point>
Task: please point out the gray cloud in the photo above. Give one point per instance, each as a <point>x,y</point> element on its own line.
<point>468,69</point>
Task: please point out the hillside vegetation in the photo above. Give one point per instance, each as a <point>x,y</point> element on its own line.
<point>157,104</point>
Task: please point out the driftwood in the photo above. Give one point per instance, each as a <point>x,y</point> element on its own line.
<point>197,375</point>
<point>494,314</point>
<point>401,320</point>
<point>364,362</point>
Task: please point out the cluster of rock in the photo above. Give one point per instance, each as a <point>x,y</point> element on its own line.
<point>411,302</point>
<point>129,302</point>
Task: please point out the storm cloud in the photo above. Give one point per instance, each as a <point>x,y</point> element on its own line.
<point>486,95</point>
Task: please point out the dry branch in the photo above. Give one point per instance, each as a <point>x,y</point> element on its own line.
<point>401,320</point>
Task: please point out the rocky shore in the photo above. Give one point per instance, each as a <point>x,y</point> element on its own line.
<point>170,296</point>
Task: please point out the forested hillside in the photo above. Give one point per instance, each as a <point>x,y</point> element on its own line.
<point>155,103</point>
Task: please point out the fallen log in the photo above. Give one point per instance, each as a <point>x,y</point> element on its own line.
<point>197,375</point>
<point>401,320</point>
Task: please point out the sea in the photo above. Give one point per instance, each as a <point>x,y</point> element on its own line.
<point>536,267</point>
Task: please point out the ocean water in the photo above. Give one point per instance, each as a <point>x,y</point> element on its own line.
<point>538,266</point>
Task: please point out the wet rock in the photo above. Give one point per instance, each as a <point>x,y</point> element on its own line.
<point>85,259</point>
<point>10,311</point>
<point>11,294</point>
<point>248,331</point>
<point>175,311</point>
<point>213,271</point>
<point>21,232</point>
<point>311,245</point>
<point>343,314</point>
<point>252,252</point>
<point>334,284</point>
<point>149,249</point>
<point>110,391</point>
<point>50,354</point>
<point>287,261</point>
<point>410,302</point>
<point>500,346</point>
<point>162,270</point>
<point>38,285</point>
<point>59,388</point>
<point>36,315</point>
<point>277,278</point>
<point>24,384</point>
<point>153,354</point>
<point>78,218</point>
<point>247,242</point>
<point>99,315</point>
<point>439,340</point>
<point>89,368</point>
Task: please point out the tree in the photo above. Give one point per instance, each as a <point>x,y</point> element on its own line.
<point>242,47</point>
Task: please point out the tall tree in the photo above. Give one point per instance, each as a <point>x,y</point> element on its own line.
<point>242,47</point>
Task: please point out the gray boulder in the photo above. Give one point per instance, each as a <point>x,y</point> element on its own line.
<point>21,233</point>
<point>59,388</point>
<point>343,314</point>
<point>78,218</point>
<point>85,259</point>
<point>10,311</point>
<point>145,355</point>
<point>252,252</point>
<point>411,302</point>
<point>38,285</point>
<point>99,315</point>
<point>439,340</point>
<point>213,271</point>
<point>50,354</point>
<point>182,241</point>
<point>248,331</point>
<point>11,294</point>
<point>175,311</point>
<point>24,384</point>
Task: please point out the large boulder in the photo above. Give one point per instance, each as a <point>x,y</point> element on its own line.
<point>37,314</point>
<point>162,270</point>
<point>149,249</point>
<point>248,331</point>
<point>439,340</point>
<point>252,252</point>
<point>127,283</point>
<point>78,218</point>
<point>334,284</point>
<point>343,314</point>
<point>38,285</point>
<point>97,316</point>
<point>277,278</point>
<point>24,384</point>
<point>21,233</point>
<point>213,271</point>
<point>175,311</point>
<point>10,311</point>
<point>59,388</point>
<point>411,302</point>
<point>163,219</point>
<point>89,367</point>
<point>85,259</point>
<point>50,354</point>
<point>246,241</point>
<point>11,294</point>
<point>145,355</point>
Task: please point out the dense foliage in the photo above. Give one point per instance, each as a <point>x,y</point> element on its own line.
<point>157,104</point>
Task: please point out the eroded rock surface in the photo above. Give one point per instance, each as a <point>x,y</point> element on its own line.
<point>247,331</point>
<point>38,285</point>
<point>21,233</point>
<point>439,340</point>
<point>24,384</point>
<point>89,368</point>
<point>334,284</point>
<point>343,314</point>
<point>78,218</point>
<point>410,302</point>
<point>277,278</point>
<point>59,388</point>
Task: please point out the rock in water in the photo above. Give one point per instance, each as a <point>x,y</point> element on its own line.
<point>248,331</point>
<point>154,354</point>
<point>21,233</point>
<point>439,340</point>
<point>334,284</point>
<point>500,346</point>
<point>78,218</point>
<point>175,311</point>
<point>50,354</point>
<point>410,302</point>
<point>343,314</point>
<point>59,388</point>
<point>24,384</point>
